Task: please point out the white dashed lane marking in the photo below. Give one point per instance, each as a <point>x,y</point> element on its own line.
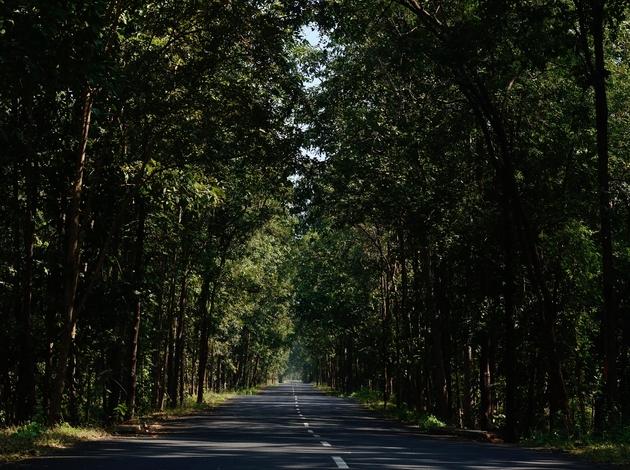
<point>325,444</point>
<point>340,463</point>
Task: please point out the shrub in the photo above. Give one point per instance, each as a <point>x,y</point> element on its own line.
<point>28,431</point>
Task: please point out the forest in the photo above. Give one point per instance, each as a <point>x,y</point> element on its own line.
<point>428,200</point>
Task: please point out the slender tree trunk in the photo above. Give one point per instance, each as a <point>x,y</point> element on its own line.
<point>54,280</point>
<point>25,390</point>
<point>157,344</point>
<point>416,334</point>
<point>206,318</point>
<point>610,321</point>
<point>182,368</point>
<point>485,383</point>
<point>438,372</point>
<point>406,395</point>
<point>168,352</point>
<point>467,398</point>
<point>534,372</point>
<point>138,276</point>
<point>177,344</point>
<point>73,386</point>
<point>444,315</point>
<point>511,432</point>
<point>166,364</point>
<point>385,344</point>
<point>72,260</point>
<point>169,359</point>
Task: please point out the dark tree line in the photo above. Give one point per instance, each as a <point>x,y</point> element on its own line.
<point>471,204</point>
<point>145,153</point>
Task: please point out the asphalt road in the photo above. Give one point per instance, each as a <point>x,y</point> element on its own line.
<point>293,426</point>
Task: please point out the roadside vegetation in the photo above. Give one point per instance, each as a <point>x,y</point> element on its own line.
<point>612,448</point>
<point>373,400</point>
<point>190,406</point>
<point>33,439</point>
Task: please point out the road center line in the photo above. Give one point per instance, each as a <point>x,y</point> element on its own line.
<point>325,444</point>
<point>340,463</point>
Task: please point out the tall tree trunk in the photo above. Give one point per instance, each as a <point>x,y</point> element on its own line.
<point>73,386</point>
<point>178,344</point>
<point>25,389</point>
<point>417,334</point>
<point>467,398</point>
<point>485,383</point>
<point>157,343</point>
<point>138,279</point>
<point>405,387</point>
<point>212,369</point>
<point>72,259</point>
<point>168,351</point>
<point>438,372</point>
<point>385,341</point>
<point>610,321</point>
<point>444,313</point>
<point>206,318</point>
<point>510,430</point>
<point>182,367</point>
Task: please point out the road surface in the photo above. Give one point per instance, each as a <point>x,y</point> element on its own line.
<point>293,426</point>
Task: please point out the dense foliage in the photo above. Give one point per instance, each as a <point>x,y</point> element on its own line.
<point>146,148</point>
<point>434,204</point>
<point>465,240</point>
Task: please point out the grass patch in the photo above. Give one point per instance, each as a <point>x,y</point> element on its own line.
<point>613,448</point>
<point>190,406</point>
<point>33,439</point>
<point>373,400</point>
<point>605,452</point>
